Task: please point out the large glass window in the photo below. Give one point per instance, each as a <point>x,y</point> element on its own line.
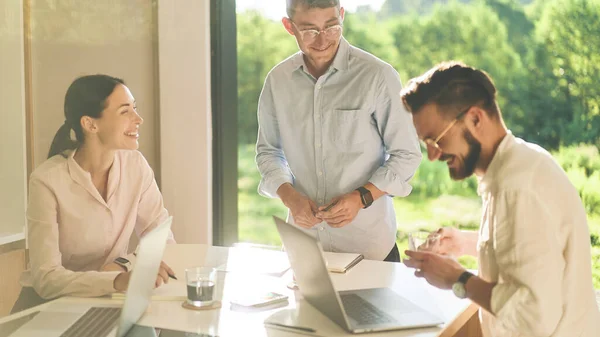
<point>546,91</point>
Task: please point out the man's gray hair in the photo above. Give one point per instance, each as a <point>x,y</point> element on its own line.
<point>291,5</point>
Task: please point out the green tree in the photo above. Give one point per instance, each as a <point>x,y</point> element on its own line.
<point>471,33</point>
<point>424,7</point>
<point>402,7</point>
<point>570,32</point>
<point>366,32</point>
<point>519,27</point>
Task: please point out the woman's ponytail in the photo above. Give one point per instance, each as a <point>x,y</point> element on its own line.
<point>62,141</point>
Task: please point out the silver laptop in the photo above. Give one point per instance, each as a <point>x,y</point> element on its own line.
<point>83,320</point>
<point>357,311</point>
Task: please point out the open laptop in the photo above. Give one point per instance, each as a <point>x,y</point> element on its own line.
<point>64,320</point>
<point>357,311</point>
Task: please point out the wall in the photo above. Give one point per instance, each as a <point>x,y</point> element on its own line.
<point>12,120</point>
<point>162,50</point>
<point>186,156</point>
<point>75,38</point>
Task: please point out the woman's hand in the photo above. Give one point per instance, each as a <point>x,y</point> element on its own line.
<point>112,267</point>
<point>163,274</point>
<point>121,282</point>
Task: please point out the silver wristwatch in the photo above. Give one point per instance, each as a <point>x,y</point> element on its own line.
<point>123,262</point>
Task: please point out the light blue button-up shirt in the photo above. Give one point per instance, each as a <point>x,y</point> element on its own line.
<point>329,136</point>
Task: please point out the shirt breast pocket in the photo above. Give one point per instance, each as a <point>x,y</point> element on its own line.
<point>350,127</point>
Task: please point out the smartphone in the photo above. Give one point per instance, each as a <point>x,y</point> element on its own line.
<point>260,300</point>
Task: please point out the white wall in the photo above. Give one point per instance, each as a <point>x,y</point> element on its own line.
<point>185,123</point>
<point>12,119</point>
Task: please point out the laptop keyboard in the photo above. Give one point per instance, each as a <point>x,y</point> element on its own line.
<point>96,322</point>
<point>364,312</point>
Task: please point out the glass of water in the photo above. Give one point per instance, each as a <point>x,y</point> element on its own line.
<point>201,286</point>
<point>422,240</point>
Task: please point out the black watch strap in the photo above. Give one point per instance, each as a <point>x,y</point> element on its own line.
<point>464,277</point>
<point>365,196</point>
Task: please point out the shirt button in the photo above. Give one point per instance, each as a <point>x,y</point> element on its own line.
<point>321,228</point>
<point>319,87</point>
<point>318,144</point>
<point>320,173</point>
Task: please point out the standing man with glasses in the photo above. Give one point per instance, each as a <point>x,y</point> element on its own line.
<point>533,245</point>
<point>335,142</point>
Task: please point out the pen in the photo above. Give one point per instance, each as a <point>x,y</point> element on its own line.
<point>330,206</point>
<point>301,328</point>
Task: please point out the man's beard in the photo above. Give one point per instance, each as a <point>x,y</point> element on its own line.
<point>470,160</point>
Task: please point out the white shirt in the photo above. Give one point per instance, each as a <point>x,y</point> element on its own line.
<point>330,135</point>
<point>534,242</point>
<point>73,232</point>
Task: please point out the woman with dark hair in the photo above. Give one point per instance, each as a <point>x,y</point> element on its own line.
<point>86,200</point>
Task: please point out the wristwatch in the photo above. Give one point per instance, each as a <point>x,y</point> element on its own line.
<point>458,288</point>
<point>365,196</point>
<point>123,262</point>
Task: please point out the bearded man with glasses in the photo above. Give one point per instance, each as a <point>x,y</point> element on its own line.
<point>335,142</point>
<point>533,245</point>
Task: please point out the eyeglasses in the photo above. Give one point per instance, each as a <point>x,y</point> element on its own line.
<point>309,35</point>
<point>434,143</point>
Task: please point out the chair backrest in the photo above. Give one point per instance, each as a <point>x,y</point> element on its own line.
<point>12,264</point>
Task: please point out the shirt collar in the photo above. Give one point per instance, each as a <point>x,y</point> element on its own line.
<point>340,61</point>
<point>486,181</point>
<point>84,178</point>
<point>78,174</point>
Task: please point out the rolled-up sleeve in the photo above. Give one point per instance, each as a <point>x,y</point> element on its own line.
<point>151,209</point>
<point>270,159</point>
<point>396,127</point>
<point>48,276</point>
<point>527,298</point>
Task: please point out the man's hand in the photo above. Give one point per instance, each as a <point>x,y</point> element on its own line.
<point>302,208</point>
<point>341,210</point>
<point>454,242</point>
<point>439,271</point>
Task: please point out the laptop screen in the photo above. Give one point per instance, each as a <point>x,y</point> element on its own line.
<point>308,264</point>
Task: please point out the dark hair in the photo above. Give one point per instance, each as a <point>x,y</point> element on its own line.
<point>86,96</point>
<point>291,5</point>
<point>452,86</point>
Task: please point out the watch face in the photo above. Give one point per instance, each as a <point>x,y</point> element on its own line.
<point>369,199</point>
<point>365,196</point>
<point>121,260</point>
<point>459,290</point>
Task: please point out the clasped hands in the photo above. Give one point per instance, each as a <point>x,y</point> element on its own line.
<point>338,213</point>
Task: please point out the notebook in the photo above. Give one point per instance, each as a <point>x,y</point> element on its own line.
<point>252,261</point>
<point>341,262</point>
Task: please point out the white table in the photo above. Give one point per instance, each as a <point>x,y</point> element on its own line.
<point>228,322</point>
